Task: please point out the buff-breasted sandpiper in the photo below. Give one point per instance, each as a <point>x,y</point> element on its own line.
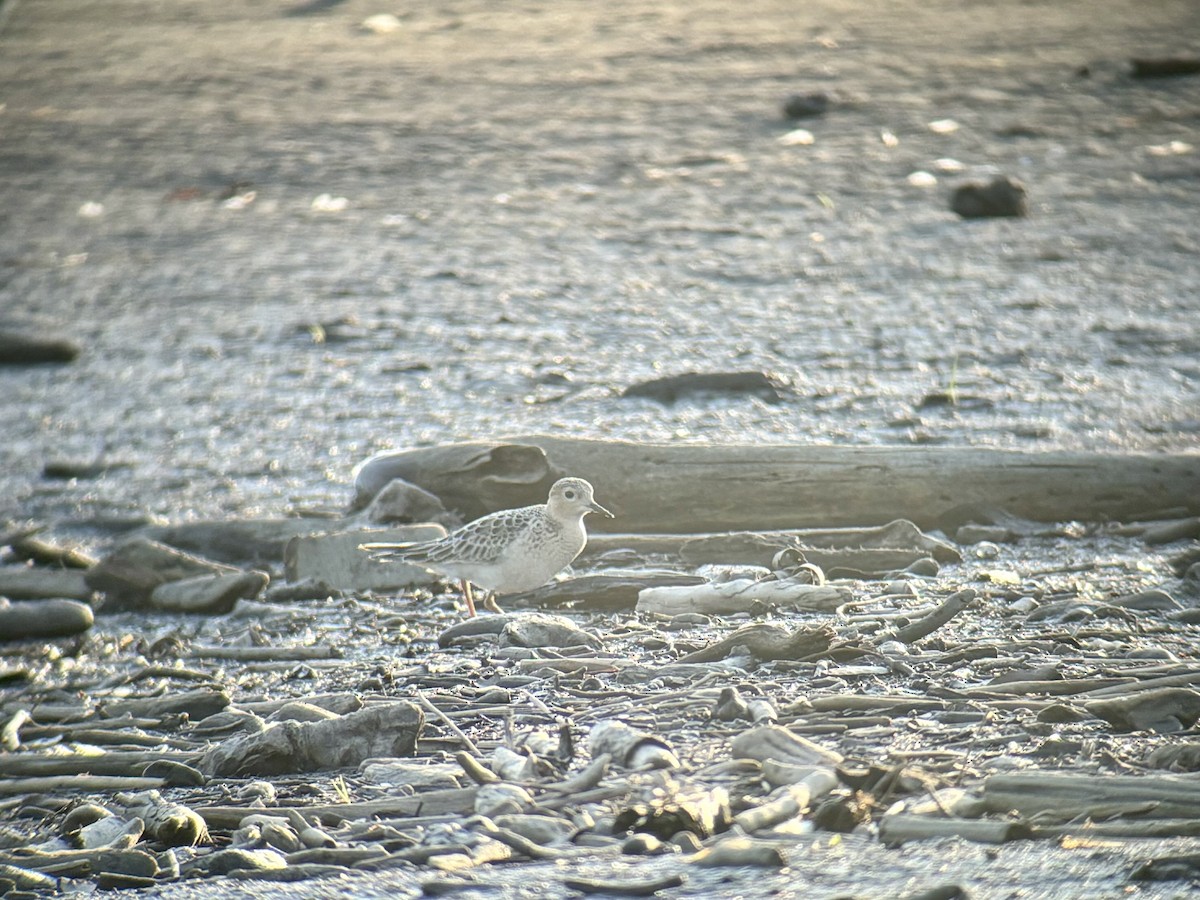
<point>508,551</point>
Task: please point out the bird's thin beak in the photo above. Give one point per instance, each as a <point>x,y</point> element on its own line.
<point>596,507</point>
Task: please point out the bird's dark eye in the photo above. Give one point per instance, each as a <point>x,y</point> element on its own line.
<point>570,495</point>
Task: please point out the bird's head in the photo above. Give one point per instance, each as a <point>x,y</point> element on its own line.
<point>570,497</point>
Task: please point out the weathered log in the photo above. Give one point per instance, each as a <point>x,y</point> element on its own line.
<point>740,595</point>
<point>691,488</point>
<point>1067,795</point>
<point>767,641</point>
<point>459,802</point>
<point>27,619</point>
<point>390,729</point>
<point>82,784</point>
<point>901,828</point>
<point>110,762</point>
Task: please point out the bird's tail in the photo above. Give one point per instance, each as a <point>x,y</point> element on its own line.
<point>384,551</point>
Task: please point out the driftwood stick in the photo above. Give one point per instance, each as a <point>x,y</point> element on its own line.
<point>82,784</point>
<point>792,801</point>
<point>459,801</point>
<point>926,625</point>
<point>445,720</point>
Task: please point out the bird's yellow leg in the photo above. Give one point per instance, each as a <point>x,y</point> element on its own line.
<point>490,604</point>
<point>469,597</point>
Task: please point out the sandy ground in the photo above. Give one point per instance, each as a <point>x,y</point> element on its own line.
<point>543,207</point>
<point>285,242</point>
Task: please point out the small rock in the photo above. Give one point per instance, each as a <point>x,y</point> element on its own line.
<point>804,106</point>
<point>402,502</point>
<point>222,862</point>
<point>536,630</point>
<point>1003,197</point>
<point>494,800</point>
<point>740,851</point>
<point>645,845</point>
<point>629,747</point>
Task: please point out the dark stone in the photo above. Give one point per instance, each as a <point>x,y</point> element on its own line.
<point>1003,197</point>
<point>672,388</point>
<point>1165,66</point>
<point>804,106</point>
<point>24,350</point>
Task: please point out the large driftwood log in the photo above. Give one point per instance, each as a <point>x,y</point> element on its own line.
<point>701,487</point>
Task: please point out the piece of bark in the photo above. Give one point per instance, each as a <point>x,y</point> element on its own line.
<point>708,488</point>
<point>390,729</point>
<point>890,704</point>
<point>212,595</point>
<point>32,583</point>
<point>740,595</point>
<point>336,559</point>
<point>28,619</point>
<point>129,574</point>
<point>768,641</point>
<point>132,763</point>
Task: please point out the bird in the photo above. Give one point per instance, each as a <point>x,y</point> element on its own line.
<point>508,551</point>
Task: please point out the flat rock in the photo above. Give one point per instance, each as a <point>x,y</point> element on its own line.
<point>336,560</point>
<point>211,594</point>
<point>129,575</point>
